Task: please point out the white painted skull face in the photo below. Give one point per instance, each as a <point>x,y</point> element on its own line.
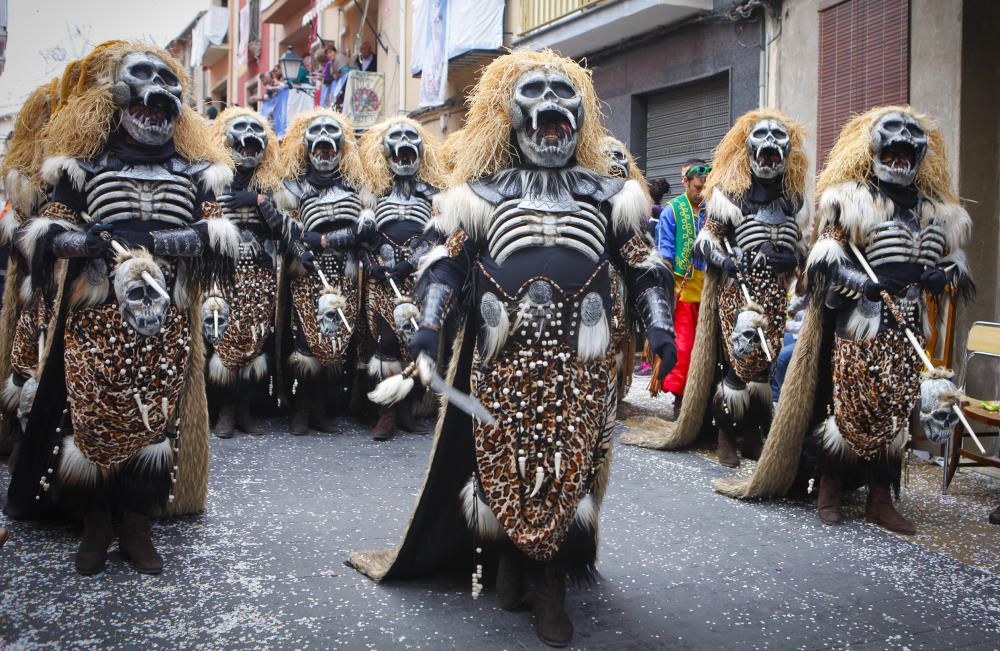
<point>324,139</point>
<point>768,145</point>
<point>149,95</point>
<point>744,340</point>
<point>215,313</point>
<point>247,140</point>
<point>328,310</point>
<point>403,149</point>
<point>899,144</point>
<point>618,165</point>
<point>937,397</point>
<point>405,314</point>
<point>139,304</point>
<point>546,115</point>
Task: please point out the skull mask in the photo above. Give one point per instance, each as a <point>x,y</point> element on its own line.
<point>546,115</point>
<point>324,137</point>
<point>403,148</point>
<point>328,313</point>
<point>899,143</point>
<point>768,145</point>
<point>142,307</point>
<point>404,315</point>
<point>149,95</point>
<point>937,397</point>
<point>618,160</point>
<point>247,141</point>
<point>214,319</point>
<point>744,341</point>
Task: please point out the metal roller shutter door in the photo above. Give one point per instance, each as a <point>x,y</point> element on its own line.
<point>683,123</point>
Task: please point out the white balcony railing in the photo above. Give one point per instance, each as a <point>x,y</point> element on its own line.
<point>536,14</point>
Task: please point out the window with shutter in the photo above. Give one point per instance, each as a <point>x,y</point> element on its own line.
<point>864,61</point>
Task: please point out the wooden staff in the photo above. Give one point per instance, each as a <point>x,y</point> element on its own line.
<point>887,299</point>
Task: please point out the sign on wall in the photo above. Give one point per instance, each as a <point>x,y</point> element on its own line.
<point>363,97</point>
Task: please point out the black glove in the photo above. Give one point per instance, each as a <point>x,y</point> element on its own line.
<point>239,200</point>
<point>424,340</point>
<point>305,257</point>
<point>661,342</point>
<point>312,241</point>
<point>274,219</point>
<point>782,261</point>
<point>728,266</point>
<point>400,272</point>
<point>933,280</point>
<point>98,240</point>
<point>873,291</point>
<point>378,271</point>
<point>366,230</point>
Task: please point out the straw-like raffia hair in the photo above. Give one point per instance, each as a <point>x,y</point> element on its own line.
<point>377,175</point>
<point>731,159</point>
<point>293,148</point>
<point>851,158</point>
<point>485,146</point>
<point>268,174</point>
<point>34,113</point>
<point>88,113</point>
<point>634,171</point>
<point>450,146</point>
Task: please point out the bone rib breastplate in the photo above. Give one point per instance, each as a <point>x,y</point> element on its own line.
<point>893,242</point>
<point>140,192</point>
<point>770,225</point>
<point>520,224</point>
<point>393,208</point>
<point>330,206</point>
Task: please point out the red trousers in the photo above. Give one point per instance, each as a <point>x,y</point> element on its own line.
<point>685,321</point>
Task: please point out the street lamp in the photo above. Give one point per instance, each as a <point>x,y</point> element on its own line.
<point>290,63</point>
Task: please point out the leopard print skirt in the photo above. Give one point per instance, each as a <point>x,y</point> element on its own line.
<point>251,299</point>
<point>876,383</point>
<point>114,375</point>
<point>381,303</point>
<point>306,291</point>
<point>32,321</point>
<point>771,293</point>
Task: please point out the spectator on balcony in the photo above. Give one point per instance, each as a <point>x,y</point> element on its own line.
<point>305,71</point>
<point>366,59</point>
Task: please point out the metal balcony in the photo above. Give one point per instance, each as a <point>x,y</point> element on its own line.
<point>536,14</point>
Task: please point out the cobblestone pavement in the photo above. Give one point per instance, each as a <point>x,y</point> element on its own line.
<point>682,567</point>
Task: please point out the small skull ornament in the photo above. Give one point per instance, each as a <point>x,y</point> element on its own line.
<point>546,114</point>
<point>744,340</point>
<point>215,313</point>
<point>403,149</point>
<point>247,140</point>
<point>938,396</point>
<point>618,159</point>
<point>328,310</point>
<point>405,314</point>
<point>324,139</point>
<point>140,305</point>
<point>149,95</point>
<point>899,144</point>
<point>768,145</point>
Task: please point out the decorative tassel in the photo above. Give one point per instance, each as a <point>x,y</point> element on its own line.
<point>391,390</point>
<point>594,339</point>
<point>426,367</point>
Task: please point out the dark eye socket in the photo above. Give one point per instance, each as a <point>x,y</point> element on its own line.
<point>563,90</point>
<point>137,293</point>
<point>256,128</point>
<point>168,77</point>
<point>533,89</point>
<point>410,134</point>
<point>760,133</point>
<point>315,129</point>
<point>916,130</point>
<point>778,133</point>
<point>142,71</point>
<point>893,125</point>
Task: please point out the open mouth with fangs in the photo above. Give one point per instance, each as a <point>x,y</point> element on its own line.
<point>405,155</point>
<point>769,157</point>
<point>250,147</point>
<point>157,114</point>
<point>324,150</point>
<point>898,156</point>
<point>552,129</point>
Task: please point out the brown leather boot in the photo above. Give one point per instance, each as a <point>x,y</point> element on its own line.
<point>225,424</point>
<point>244,419</point>
<point>752,446</point>
<point>386,425</point>
<point>510,581</point>
<point>552,624</point>
<point>881,511</point>
<point>994,519</point>
<point>97,536</point>
<point>135,542</point>
<point>405,419</point>
<point>318,419</point>
<point>726,449</point>
<point>300,417</point>
<point>831,489</point>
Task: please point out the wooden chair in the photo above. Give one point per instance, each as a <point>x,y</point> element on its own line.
<point>983,341</point>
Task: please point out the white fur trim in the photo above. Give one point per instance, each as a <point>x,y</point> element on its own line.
<point>593,340</point>
<point>722,210</point>
<point>488,528</point>
<point>55,167</point>
<point>861,327</point>
<point>84,294</point>
<point>25,292</point>
<point>586,513</point>
<point>285,200</point>
<point>953,219</point>
<point>825,252</point>
<point>9,227</point>
<point>460,207</point>
<point>218,374</point>
<point>155,457</point>
<point>630,208</point>
<point>706,240</point>
<point>34,230</point>
<point>736,401</point>
<point>437,253</point>
<point>74,468</point>
<point>391,390</point>
<point>223,237</point>
<point>855,208</point>
<point>10,396</point>
<point>304,365</point>
<point>26,400</point>
<point>182,297</point>
<point>382,368</point>
<point>494,337</point>
<point>216,177</point>
<point>831,438</point>
<point>24,195</point>
<point>804,220</point>
<point>255,370</point>
<point>368,198</point>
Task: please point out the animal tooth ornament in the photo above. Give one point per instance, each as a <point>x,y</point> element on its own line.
<point>754,240</point>
<point>328,229</point>
<point>403,171</point>
<point>532,225</point>
<point>886,201</point>
<point>242,348</point>
<point>133,173</point>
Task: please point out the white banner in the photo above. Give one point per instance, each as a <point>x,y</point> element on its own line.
<point>210,30</point>
<point>363,97</point>
<point>432,37</point>
<point>244,36</point>
<point>474,25</point>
